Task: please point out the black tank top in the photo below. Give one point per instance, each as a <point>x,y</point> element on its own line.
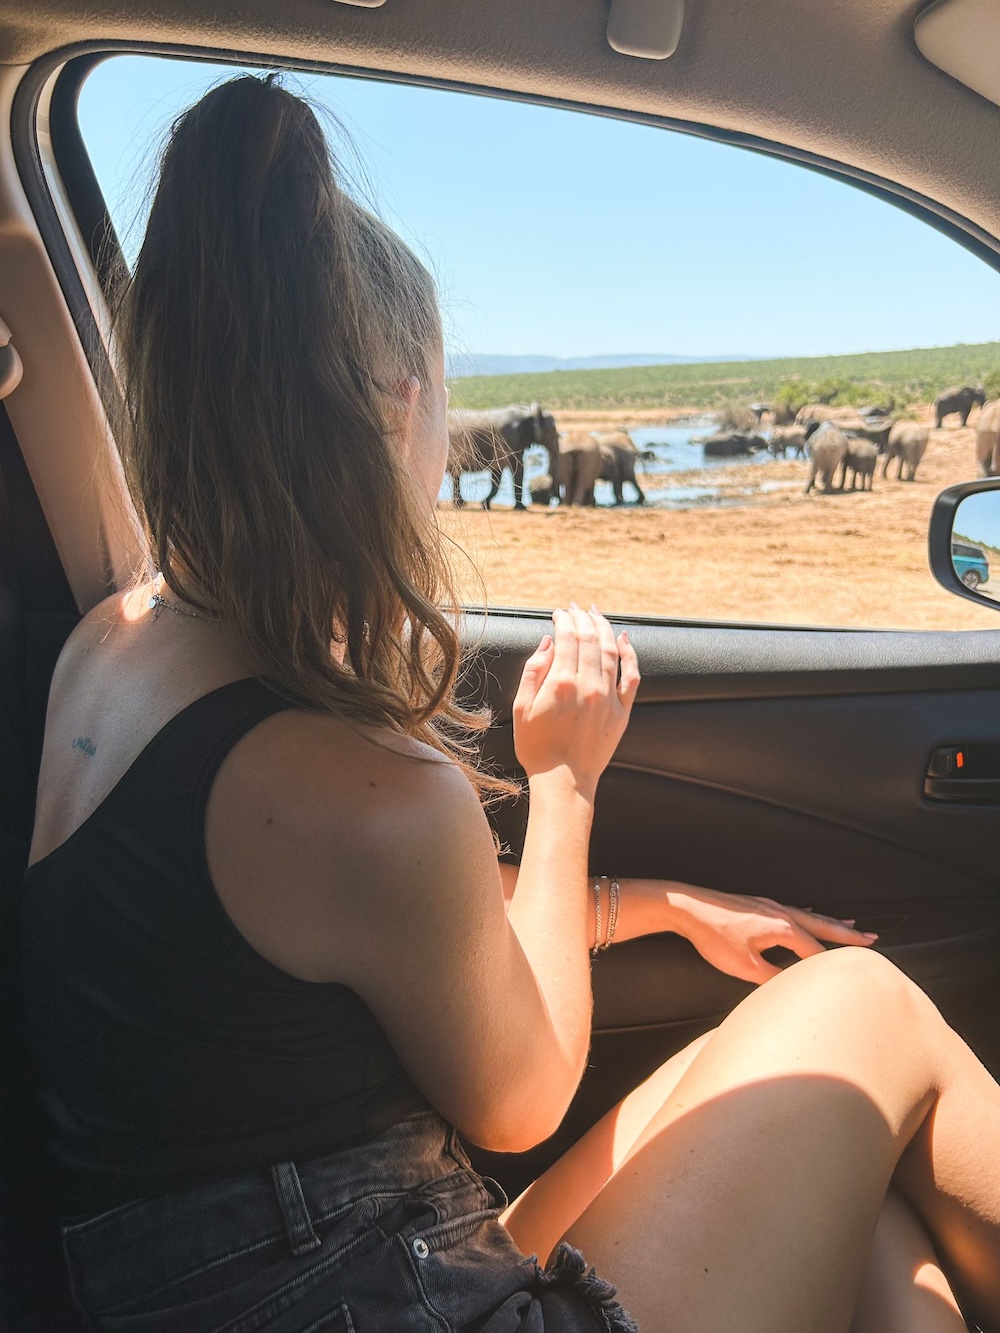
<point>169,1052</point>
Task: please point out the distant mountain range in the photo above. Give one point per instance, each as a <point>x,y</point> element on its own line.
<point>492,363</point>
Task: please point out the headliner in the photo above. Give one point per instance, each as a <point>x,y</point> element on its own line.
<point>843,82</point>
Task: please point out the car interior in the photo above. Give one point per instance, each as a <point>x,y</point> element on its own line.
<point>807,765</point>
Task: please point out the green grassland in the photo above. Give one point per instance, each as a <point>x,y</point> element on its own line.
<point>906,377</point>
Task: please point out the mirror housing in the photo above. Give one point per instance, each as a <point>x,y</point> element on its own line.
<point>962,571</point>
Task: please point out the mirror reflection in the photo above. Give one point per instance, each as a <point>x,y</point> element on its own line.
<point>975,543</point>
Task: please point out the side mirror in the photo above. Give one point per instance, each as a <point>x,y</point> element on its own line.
<point>964,541</point>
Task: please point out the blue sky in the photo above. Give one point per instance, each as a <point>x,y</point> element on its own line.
<point>572,235</point>
<point>978,518</point>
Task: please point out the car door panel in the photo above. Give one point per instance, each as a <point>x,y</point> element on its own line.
<point>787,764</point>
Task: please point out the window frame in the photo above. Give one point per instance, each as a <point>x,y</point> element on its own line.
<point>62,189</point>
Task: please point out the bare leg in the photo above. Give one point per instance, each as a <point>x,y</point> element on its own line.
<point>549,1207</point>
<point>903,1289</point>
<point>749,1202</point>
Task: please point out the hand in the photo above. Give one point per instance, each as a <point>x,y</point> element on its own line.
<point>730,930</point>
<point>571,708</point>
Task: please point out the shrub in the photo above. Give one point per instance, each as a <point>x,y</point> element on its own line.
<point>790,397</point>
<point>735,416</point>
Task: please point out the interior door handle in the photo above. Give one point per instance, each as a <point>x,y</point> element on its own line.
<point>972,791</point>
<point>964,774</point>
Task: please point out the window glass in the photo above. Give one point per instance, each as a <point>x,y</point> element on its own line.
<point>671,305</point>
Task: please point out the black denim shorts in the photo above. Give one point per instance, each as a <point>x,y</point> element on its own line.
<point>398,1235</point>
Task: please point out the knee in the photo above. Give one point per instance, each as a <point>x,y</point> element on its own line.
<point>866,982</point>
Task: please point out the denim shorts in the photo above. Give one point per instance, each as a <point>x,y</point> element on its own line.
<point>398,1235</point>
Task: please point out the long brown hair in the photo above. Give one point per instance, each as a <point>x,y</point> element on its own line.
<point>267,320</point>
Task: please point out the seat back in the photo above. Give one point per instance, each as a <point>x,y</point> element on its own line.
<point>36,615</point>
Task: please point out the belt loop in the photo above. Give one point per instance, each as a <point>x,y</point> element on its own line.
<point>301,1236</point>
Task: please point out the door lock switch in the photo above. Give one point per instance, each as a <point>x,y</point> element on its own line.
<point>946,762</point>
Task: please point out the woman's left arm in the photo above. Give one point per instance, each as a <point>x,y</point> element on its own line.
<point>729,930</point>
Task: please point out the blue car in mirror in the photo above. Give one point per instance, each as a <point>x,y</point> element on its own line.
<point>970,564</point>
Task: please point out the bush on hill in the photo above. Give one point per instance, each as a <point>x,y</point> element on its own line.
<point>887,378</point>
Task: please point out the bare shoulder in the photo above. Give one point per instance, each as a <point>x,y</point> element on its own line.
<point>89,634</point>
<point>326,817</point>
<point>78,691</point>
<point>102,636</point>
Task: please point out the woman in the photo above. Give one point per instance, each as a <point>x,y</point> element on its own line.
<point>269,967</point>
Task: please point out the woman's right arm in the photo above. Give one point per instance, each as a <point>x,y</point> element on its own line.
<point>490,1011</point>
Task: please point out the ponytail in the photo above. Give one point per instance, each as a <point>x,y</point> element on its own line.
<point>268,319</point>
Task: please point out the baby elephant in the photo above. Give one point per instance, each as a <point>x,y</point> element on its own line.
<point>784,438</point>
<point>907,442</point>
<point>859,461</point>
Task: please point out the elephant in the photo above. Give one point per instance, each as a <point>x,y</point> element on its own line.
<point>875,429</point>
<point>784,438</point>
<point>988,440</point>
<point>581,460</point>
<point>620,456</point>
<point>847,418</point>
<point>732,444</point>
<point>859,461</point>
<point>494,440</point>
<point>907,442</point>
<point>958,399</point>
<point>813,413</point>
<point>827,450</point>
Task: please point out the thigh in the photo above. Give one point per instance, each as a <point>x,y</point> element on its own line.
<point>903,1289</point>
<point>750,1200</point>
<point>551,1204</point>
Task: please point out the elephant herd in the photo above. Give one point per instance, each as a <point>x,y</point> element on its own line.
<point>834,448</point>
<point>851,448</point>
<point>495,441</point>
<point>836,440</point>
<point>839,442</point>
<point>851,441</point>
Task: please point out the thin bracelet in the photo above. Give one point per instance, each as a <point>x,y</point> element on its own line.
<point>614,891</point>
<point>597,916</point>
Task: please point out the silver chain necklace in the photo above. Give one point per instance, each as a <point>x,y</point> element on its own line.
<point>158,602</point>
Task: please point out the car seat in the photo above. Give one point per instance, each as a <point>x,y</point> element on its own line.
<point>37,612</point>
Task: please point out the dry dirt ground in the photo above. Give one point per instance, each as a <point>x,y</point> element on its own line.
<point>775,554</point>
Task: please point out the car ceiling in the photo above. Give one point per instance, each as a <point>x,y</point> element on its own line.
<point>840,82</point>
